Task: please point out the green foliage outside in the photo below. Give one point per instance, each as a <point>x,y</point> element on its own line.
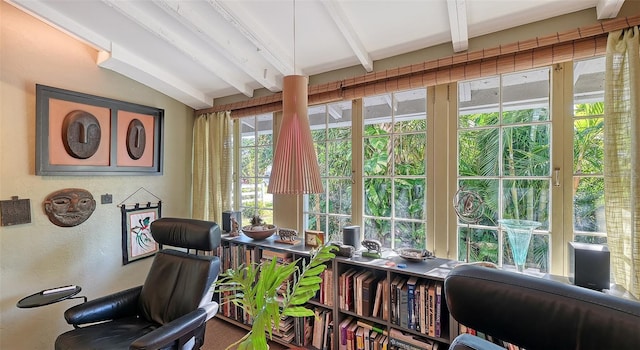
<point>513,159</point>
<point>519,166</point>
<point>395,183</point>
<point>256,156</point>
<point>588,159</point>
<point>525,170</point>
<point>334,151</point>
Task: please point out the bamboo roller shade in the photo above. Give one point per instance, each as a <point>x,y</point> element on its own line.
<point>579,43</point>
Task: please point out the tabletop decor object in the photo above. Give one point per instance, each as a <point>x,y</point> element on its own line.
<point>519,234</point>
<point>469,208</point>
<point>287,236</point>
<point>256,233</point>
<point>374,248</point>
<point>343,249</point>
<point>313,238</point>
<point>413,254</point>
<point>234,228</point>
<point>259,230</point>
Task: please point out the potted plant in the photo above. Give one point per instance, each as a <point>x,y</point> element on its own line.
<point>254,287</point>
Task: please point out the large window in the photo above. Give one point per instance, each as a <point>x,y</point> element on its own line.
<point>504,155</point>
<point>331,131</point>
<point>256,156</point>
<point>394,168</point>
<point>528,150</point>
<point>588,151</point>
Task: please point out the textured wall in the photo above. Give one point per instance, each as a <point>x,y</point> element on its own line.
<point>40,255</point>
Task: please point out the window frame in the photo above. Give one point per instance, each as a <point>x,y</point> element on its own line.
<point>501,177</point>
<point>442,107</point>
<point>393,176</point>
<point>325,214</point>
<point>259,180</point>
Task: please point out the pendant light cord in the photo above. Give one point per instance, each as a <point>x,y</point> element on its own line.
<point>294,37</point>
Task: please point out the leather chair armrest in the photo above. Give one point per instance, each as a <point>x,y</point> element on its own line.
<point>470,342</point>
<point>180,328</point>
<point>536,313</point>
<point>211,309</point>
<point>109,307</point>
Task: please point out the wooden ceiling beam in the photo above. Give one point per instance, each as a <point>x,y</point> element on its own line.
<point>187,46</point>
<point>606,9</point>
<point>344,25</point>
<point>125,62</point>
<point>458,22</point>
<point>282,62</point>
<point>192,17</point>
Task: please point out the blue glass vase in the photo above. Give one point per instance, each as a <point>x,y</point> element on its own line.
<point>519,234</point>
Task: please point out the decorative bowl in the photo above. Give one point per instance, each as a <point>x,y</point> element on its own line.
<point>413,254</point>
<point>259,232</point>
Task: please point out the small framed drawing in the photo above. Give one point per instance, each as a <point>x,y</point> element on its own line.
<point>313,238</point>
<point>137,242</point>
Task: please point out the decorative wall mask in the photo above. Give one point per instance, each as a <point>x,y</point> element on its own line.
<point>69,207</point>
<point>136,139</point>
<point>81,134</point>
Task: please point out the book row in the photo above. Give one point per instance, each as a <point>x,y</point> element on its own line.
<point>418,305</point>
<point>407,301</point>
<point>355,334</point>
<point>356,307</point>
<point>233,255</point>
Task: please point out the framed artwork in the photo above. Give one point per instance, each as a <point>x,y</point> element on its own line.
<point>137,242</point>
<point>15,211</point>
<point>80,134</point>
<point>313,238</point>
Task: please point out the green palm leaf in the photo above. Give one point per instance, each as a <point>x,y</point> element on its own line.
<point>255,288</point>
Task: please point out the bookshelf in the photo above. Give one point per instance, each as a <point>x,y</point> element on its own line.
<point>402,312</point>
<point>363,304</point>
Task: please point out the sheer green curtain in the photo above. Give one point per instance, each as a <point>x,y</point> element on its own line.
<point>622,156</point>
<point>212,166</point>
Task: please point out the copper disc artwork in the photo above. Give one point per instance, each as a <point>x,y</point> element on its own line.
<point>81,134</point>
<point>136,139</point>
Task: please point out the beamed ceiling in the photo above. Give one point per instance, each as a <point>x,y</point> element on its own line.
<point>199,50</point>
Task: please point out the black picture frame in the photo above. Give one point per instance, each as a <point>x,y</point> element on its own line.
<point>137,241</point>
<point>113,156</point>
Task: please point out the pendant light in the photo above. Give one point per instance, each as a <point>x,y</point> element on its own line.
<point>295,164</point>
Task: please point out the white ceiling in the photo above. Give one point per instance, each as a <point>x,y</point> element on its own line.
<point>198,50</point>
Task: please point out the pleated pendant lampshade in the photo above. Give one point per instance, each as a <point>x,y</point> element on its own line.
<point>295,164</point>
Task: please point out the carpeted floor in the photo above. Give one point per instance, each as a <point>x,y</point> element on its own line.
<point>221,334</point>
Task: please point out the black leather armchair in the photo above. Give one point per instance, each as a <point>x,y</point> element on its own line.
<point>169,311</point>
<point>536,313</point>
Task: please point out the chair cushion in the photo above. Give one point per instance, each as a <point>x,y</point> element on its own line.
<point>186,233</point>
<point>114,335</point>
<point>176,284</point>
